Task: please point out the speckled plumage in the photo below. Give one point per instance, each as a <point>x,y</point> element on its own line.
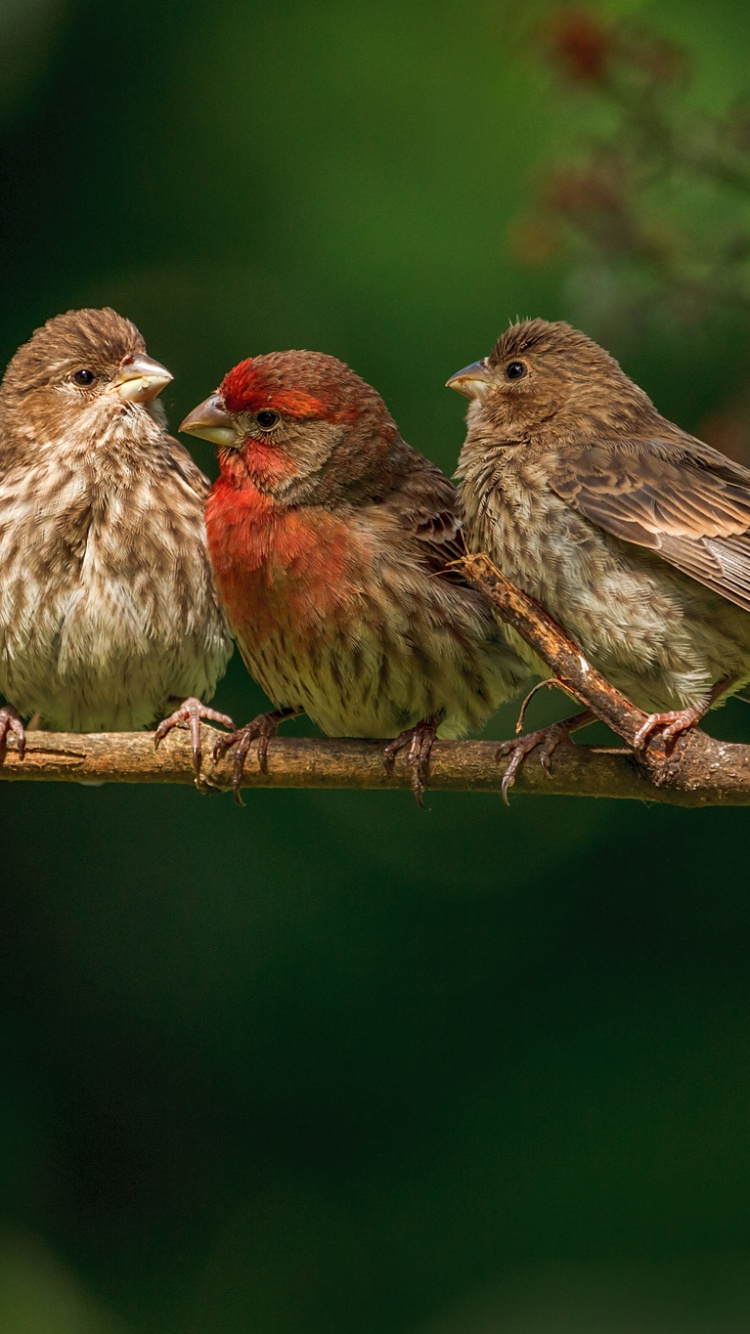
<point>632,533</point>
<point>107,606</point>
<point>329,538</point>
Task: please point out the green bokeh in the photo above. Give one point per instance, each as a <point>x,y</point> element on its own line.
<point>333,1064</point>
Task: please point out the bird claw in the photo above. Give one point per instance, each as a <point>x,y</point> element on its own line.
<point>548,738</point>
<point>10,722</point>
<point>420,740</point>
<point>189,714</point>
<point>264,727</point>
<point>674,722</point>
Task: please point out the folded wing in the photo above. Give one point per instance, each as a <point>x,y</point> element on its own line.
<point>681,499</point>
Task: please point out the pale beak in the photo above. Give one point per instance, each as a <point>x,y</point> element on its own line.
<point>139,379</point>
<point>211,421</point>
<point>473,381</point>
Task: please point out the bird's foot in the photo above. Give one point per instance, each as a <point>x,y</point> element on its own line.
<point>674,722</point>
<point>420,740</point>
<point>10,722</point>
<point>677,721</point>
<point>263,728</point>
<point>189,714</point>
<point>546,738</point>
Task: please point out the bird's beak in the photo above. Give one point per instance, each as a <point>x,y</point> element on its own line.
<point>139,379</point>
<point>211,421</point>
<point>473,381</point>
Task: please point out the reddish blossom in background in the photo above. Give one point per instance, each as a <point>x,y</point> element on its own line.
<point>579,44</point>
<point>651,217</point>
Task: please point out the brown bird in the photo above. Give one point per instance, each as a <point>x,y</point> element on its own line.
<point>108,612</point>
<point>330,540</point>
<point>634,535</point>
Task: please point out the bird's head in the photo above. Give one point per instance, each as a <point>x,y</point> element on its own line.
<point>80,372</point>
<point>301,426</point>
<point>542,375</point>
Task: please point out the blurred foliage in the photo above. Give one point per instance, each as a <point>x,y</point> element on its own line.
<point>331,1063</point>
<point>653,214</point>
<point>661,201</point>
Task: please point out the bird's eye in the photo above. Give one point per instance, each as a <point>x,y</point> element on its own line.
<point>84,377</point>
<point>515,370</point>
<point>267,419</point>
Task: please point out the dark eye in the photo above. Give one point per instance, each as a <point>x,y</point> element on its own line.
<point>84,377</point>
<point>515,369</point>
<point>267,419</point>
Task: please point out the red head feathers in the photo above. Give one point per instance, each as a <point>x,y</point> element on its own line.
<point>302,385</point>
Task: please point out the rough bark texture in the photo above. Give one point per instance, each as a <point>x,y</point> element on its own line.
<point>700,771</point>
<point>456,766</point>
<point>709,772</point>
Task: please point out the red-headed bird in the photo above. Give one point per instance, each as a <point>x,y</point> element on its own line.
<point>330,540</point>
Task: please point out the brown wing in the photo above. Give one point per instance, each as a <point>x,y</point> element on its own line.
<point>183,462</point>
<point>681,499</point>
<point>425,503</point>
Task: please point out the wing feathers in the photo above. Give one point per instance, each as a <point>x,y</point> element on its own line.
<point>426,506</point>
<point>683,500</point>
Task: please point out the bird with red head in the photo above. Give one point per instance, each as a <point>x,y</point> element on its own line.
<point>331,542</point>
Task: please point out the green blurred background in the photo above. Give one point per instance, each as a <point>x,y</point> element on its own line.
<point>333,1064</point>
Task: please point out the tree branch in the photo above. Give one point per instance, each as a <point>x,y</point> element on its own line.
<point>455,766</point>
<point>700,772</point>
<point>698,765</point>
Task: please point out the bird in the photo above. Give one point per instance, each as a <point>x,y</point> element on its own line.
<point>631,533</point>
<point>108,613</point>
<point>331,542</point>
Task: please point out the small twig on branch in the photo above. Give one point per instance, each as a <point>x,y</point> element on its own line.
<point>697,764</point>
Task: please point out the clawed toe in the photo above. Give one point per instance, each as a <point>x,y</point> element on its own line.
<point>674,723</point>
<point>190,713</point>
<point>240,741</point>
<point>545,739</point>
<point>520,749</point>
<point>420,740</point>
<point>10,723</point>
<point>263,728</point>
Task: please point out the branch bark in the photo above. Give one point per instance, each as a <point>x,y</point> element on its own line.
<point>698,764</point>
<point>455,766</point>
<point>700,772</point>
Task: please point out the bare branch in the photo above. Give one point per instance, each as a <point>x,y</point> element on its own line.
<point>698,764</point>
<point>455,766</point>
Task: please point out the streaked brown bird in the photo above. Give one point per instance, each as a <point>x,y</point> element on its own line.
<point>108,614</point>
<point>633,534</point>
<point>330,540</point>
